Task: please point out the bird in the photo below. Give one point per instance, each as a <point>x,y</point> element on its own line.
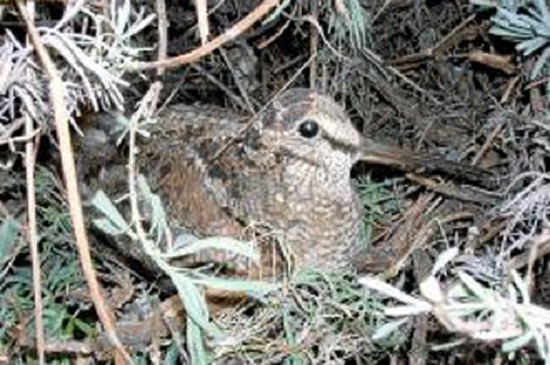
<point>285,171</point>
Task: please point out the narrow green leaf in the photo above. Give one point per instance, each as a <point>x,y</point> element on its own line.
<point>8,234</point>
<point>238,285</point>
<point>387,329</point>
<point>518,342</point>
<point>195,344</point>
<point>532,45</point>
<point>218,243</point>
<point>102,202</point>
<point>543,60</point>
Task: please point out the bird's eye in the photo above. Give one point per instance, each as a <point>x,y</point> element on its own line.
<point>308,128</point>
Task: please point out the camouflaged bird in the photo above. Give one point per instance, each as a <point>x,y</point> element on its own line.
<point>286,169</point>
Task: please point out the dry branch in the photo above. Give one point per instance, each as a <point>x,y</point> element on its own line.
<point>217,42</point>
<point>61,119</point>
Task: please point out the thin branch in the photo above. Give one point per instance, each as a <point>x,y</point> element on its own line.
<point>160,7</point>
<point>202,19</point>
<point>217,42</point>
<point>32,231</point>
<point>313,44</point>
<point>57,92</point>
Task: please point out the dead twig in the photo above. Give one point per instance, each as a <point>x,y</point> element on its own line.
<point>313,42</point>
<point>495,61</point>
<point>238,82</point>
<point>30,158</point>
<point>268,41</point>
<point>61,119</point>
<point>217,42</point>
<point>430,52</point>
<point>496,131</point>
<point>449,190</point>
<point>236,98</point>
<point>202,20</point>
<point>160,7</point>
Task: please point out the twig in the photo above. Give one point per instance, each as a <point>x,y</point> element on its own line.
<point>202,20</point>
<point>268,41</point>
<point>449,190</point>
<point>311,20</point>
<point>27,137</point>
<point>249,124</point>
<point>220,84</point>
<point>487,144</point>
<point>217,42</point>
<point>14,126</point>
<point>32,231</point>
<point>377,60</point>
<point>536,83</point>
<point>61,118</point>
<point>238,82</point>
<point>380,11</point>
<point>313,41</point>
<point>431,52</point>
<point>160,7</point>
<point>447,38</point>
<point>542,244</point>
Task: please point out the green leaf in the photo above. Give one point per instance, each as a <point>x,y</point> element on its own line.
<point>192,299</point>
<point>532,45</point>
<point>476,288</point>
<point>218,243</point>
<point>109,227</point>
<point>159,220</point>
<point>8,234</point>
<point>544,11</point>
<point>277,12</point>
<point>518,342</point>
<point>102,202</point>
<point>238,285</point>
<point>541,62</point>
<point>195,344</point>
<point>387,329</point>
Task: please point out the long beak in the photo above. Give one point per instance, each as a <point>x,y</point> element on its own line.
<point>383,154</point>
<point>409,161</point>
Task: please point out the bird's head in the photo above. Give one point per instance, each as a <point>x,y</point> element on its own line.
<point>313,131</point>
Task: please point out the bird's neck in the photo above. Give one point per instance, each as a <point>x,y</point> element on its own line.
<point>329,183</point>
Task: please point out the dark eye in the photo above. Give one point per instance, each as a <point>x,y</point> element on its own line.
<point>308,128</point>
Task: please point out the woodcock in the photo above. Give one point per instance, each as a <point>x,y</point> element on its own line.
<point>287,169</point>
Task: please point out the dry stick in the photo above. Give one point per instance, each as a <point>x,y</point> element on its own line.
<point>160,7</point>
<point>268,41</point>
<point>370,55</point>
<point>236,98</point>
<point>7,132</point>
<point>313,41</point>
<point>56,89</point>
<point>437,48</point>
<point>32,231</point>
<point>380,11</point>
<point>217,42</point>
<point>202,17</point>
<point>238,82</point>
<point>488,142</point>
<point>251,122</point>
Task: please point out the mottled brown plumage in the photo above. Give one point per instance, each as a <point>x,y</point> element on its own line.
<point>286,169</point>
<point>219,172</point>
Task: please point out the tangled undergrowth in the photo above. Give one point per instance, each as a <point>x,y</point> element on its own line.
<point>468,264</point>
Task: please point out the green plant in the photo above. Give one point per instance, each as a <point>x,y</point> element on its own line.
<point>379,203</point>
<point>525,23</point>
<point>60,276</point>
<point>188,282</point>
